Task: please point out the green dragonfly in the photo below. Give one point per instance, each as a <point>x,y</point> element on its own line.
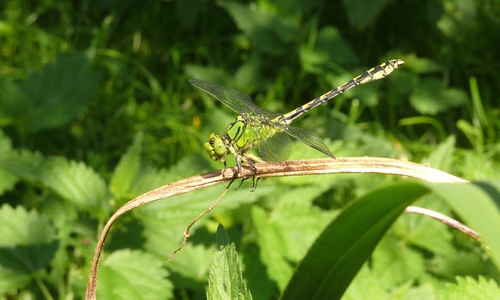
<point>268,131</point>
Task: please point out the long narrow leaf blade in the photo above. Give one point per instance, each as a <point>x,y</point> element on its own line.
<point>350,238</point>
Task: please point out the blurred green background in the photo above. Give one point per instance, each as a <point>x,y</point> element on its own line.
<point>95,108</point>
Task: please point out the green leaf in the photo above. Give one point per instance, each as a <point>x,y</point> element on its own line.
<point>126,172</point>
<point>269,33</point>
<point>77,184</point>
<point>471,289</point>
<point>324,274</point>
<point>459,263</point>
<point>342,248</point>
<point>12,103</point>
<point>320,57</point>
<point>271,248</point>
<point>442,157</point>
<point>165,223</point>
<point>23,227</point>
<point>225,278</point>
<point>423,232</point>
<point>72,181</point>
<point>127,274</point>
<point>24,164</point>
<point>478,205</point>
<point>394,263</point>
<point>11,280</point>
<point>8,179</point>
<point>27,244</point>
<point>287,233</point>
<point>430,97</point>
<point>57,93</point>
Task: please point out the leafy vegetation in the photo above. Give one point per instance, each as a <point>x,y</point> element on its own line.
<point>96,109</point>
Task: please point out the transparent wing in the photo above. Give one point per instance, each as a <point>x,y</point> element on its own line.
<point>309,138</point>
<point>235,100</point>
<point>275,148</point>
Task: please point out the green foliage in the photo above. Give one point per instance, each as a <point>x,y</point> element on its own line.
<point>133,275</point>
<point>225,279</point>
<point>95,109</point>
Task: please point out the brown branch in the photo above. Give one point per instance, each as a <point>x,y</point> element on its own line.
<point>443,219</point>
<point>288,168</point>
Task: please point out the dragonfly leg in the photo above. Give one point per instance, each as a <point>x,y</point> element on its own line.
<point>255,182</point>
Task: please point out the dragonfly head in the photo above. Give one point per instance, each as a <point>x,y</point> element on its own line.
<point>215,147</point>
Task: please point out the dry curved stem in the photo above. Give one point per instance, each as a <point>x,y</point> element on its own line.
<point>276,169</point>
<point>443,219</point>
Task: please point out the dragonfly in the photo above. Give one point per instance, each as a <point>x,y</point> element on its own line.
<point>270,131</point>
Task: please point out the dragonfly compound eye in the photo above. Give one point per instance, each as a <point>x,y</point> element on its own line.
<point>219,147</point>
<point>215,147</point>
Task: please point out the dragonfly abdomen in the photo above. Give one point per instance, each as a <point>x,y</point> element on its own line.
<point>375,73</point>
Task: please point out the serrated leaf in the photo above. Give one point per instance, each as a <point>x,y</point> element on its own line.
<point>27,242</point>
<point>394,264</point>
<point>77,184</point>
<point>72,181</point>
<point>57,93</point>
<point>296,222</point>
<point>366,285</point>
<point>469,288</point>
<point>24,164</point>
<point>126,172</point>
<point>225,278</point>
<point>127,274</point>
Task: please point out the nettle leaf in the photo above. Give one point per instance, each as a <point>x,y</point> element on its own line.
<point>127,274</point>
<point>366,285</point>
<point>27,244</point>
<point>24,164</point>
<point>57,93</point>
<point>76,183</point>
<point>469,288</point>
<point>72,181</point>
<point>23,227</point>
<point>225,277</point>
<point>395,264</point>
